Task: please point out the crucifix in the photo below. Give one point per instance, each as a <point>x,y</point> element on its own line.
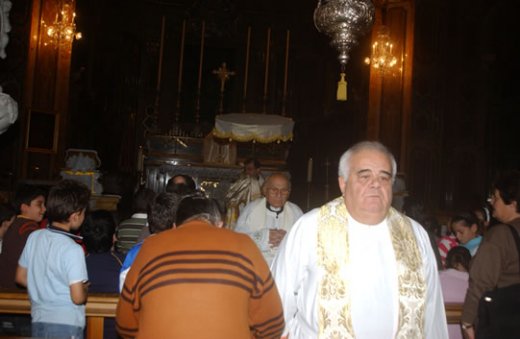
<point>223,74</point>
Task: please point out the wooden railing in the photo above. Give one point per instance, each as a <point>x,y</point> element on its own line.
<point>100,306</point>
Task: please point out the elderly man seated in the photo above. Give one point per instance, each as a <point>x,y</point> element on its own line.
<point>268,219</point>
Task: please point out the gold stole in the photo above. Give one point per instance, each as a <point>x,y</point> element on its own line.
<point>334,295</point>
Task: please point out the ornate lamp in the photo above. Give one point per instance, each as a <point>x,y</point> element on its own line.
<point>63,29</point>
<point>343,21</point>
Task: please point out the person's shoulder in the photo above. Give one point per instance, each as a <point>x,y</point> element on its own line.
<point>307,222</point>
<point>132,252</point>
<point>239,243</point>
<point>255,202</point>
<point>252,205</point>
<point>133,220</point>
<point>37,233</point>
<point>25,225</point>
<point>312,214</point>
<point>70,244</point>
<point>451,272</point>
<point>295,207</point>
<point>415,224</point>
<point>233,235</point>
<point>229,238</point>
<point>499,232</point>
<point>420,232</point>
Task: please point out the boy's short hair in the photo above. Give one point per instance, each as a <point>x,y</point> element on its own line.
<point>98,231</point>
<point>25,194</point>
<point>163,211</point>
<point>66,198</point>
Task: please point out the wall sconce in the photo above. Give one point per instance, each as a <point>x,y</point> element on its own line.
<point>62,31</point>
<point>383,59</point>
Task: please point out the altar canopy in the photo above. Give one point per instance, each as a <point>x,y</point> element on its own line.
<point>244,127</point>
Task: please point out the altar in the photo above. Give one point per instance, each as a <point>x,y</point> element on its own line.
<point>215,161</point>
<point>212,179</point>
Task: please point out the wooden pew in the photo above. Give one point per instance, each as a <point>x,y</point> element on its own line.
<point>100,306</point>
<point>453,312</point>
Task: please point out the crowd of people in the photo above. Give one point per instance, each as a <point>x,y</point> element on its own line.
<point>184,268</point>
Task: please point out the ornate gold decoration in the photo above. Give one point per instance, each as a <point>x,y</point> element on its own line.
<point>333,294</point>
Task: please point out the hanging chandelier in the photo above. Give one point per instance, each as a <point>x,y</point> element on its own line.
<point>383,59</point>
<point>62,31</point>
<point>343,21</point>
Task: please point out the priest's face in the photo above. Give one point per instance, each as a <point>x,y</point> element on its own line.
<point>251,170</point>
<point>277,190</point>
<point>368,189</point>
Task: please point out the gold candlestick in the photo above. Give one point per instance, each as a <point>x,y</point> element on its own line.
<point>199,82</point>
<point>161,51</point>
<point>179,80</point>
<point>284,98</point>
<point>246,68</point>
<point>266,75</point>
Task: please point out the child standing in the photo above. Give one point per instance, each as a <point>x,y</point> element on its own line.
<point>52,266</point>
<point>30,203</point>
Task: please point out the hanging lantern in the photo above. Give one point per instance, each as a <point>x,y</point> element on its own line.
<point>343,21</point>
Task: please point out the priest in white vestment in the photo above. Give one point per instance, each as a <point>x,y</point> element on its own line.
<point>246,189</point>
<point>357,268</point>
<point>268,219</point>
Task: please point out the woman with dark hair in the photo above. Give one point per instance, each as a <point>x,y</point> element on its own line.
<point>497,262</point>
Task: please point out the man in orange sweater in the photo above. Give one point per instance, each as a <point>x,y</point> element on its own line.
<point>199,281</point>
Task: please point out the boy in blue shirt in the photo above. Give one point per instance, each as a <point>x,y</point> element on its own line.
<point>52,266</point>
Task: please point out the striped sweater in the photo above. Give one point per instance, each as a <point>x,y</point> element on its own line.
<point>129,231</point>
<point>199,281</point>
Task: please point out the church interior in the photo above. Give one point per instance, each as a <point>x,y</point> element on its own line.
<point>147,81</point>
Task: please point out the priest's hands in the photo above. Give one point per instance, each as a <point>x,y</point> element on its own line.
<point>275,237</point>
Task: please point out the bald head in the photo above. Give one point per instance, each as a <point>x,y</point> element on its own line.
<point>276,189</point>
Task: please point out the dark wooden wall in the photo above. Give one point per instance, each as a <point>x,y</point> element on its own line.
<point>463,115</point>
